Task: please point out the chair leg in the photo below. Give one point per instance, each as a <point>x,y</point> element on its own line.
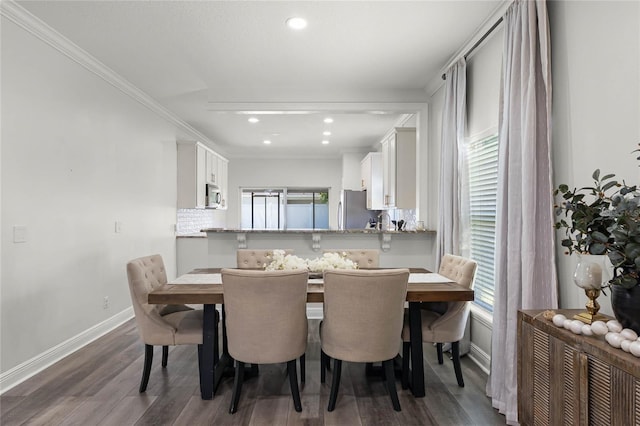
<point>293,383</point>
<point>237,387</point>
<point>391,383</point>
<point>335,384</point>
<point>406,355</point>
<point>165,356</point>
<point>439,348</point>
<point>146,370</point>
<point>455,352</point>
<point>303,368</point>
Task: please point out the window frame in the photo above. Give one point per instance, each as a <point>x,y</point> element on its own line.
<point>282,204</point>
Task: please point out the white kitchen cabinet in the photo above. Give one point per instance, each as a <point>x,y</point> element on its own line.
<point>371,172</point>
<point>223,169</point>
<point>212,168</point>
<point>192,171</point>
<point>399,169</point>
<point>199,166</point>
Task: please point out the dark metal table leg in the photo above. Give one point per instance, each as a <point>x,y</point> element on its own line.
<point>417,366</point>
<point>209,336</point>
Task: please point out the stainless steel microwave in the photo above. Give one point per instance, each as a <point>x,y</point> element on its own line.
<point>213,197</point>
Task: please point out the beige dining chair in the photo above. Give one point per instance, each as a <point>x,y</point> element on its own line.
<point>266,320</point>
<point>363,312</point>
<point>446,327</point>
<point>365,258</point>
<point>162,325</point>
<point>255,258</point>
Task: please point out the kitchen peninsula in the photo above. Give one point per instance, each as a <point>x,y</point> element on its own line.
<point>218,248</point>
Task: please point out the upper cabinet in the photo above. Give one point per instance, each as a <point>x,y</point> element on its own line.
<point>199,166</point>
<point>399,169</point>
<point>371,171</point>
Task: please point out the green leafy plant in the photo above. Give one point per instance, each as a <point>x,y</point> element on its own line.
<point>603,219</point>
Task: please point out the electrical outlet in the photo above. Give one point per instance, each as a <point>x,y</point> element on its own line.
<point>105,302</point>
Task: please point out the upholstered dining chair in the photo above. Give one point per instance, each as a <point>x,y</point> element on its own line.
<point>162,325</point>
<point>255,258</point>
<point>258,259</point>
<point>266,319</point>
<point>447,326</point>
<point>365,258</point>
<point>363,312</point>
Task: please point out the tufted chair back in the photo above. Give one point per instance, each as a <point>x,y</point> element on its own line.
<point>158,324</point>
<point>255,259</point>
<point>365,258</point>
<point>458,269</point>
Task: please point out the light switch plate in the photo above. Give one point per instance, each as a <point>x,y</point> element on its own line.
<point>19,234</point>
<point>118,227</point>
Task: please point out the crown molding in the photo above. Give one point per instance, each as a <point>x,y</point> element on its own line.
<point>35,26</point>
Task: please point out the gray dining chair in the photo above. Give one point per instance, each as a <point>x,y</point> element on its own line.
<point>447,326</point>
<point>363,312</point>
<point>161,325</point>
<point>266,320</point>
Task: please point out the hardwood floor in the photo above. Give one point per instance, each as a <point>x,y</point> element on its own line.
<point>98,385</point>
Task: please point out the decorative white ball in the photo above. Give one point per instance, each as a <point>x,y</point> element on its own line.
<point>635,348</point>
<point>614,339</point>
<point>629,334</point>
<point>614,326</point>
<point>576,327</point>
<point>626,345</point>
<point>558,320</point>
<point>567,324</point>
<point>599,328</point>
<point>586,330</point>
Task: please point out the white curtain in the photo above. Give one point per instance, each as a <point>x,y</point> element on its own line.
<point>525,255</point>
<point>453,168</point>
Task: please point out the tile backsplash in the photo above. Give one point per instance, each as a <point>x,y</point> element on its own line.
<point>191,221</point>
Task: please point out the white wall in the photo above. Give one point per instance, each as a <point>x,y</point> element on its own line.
<point>279,173</point>
<point>596,103</point>
<point>77,156</point>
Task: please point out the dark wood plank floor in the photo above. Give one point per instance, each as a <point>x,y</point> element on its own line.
<point>98,385</point>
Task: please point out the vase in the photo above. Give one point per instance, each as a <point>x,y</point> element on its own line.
<point>591,272</point>
<point>626,306</point>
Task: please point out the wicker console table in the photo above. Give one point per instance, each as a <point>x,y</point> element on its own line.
<point>570,379</point>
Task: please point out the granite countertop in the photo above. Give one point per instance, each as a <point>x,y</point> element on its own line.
<point>313,231</point>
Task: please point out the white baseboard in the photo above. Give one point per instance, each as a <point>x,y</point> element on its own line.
<point>480,357</point>
<point>22,372</point>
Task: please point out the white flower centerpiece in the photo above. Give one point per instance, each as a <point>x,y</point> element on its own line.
<point>281,261</point>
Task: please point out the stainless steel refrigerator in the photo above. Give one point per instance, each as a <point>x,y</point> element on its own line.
<point>352,210</point>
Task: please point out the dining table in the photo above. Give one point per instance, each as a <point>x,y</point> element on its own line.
<point>204,286</point>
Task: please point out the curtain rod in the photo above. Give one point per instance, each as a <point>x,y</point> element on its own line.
<point>479,42</point>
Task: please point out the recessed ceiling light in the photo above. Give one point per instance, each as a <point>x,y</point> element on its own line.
<point>327,133</point>
<point>266,142</point>
<point>328,120</point>
<point>296,23</point>
<point>325,142</point>
<point>253,120</point>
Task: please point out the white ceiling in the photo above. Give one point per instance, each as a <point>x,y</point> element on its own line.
<point>364,63</point>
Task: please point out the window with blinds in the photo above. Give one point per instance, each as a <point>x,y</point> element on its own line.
<point>483,185</point>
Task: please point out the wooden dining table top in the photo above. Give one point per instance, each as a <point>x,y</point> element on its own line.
<point>203,286</point>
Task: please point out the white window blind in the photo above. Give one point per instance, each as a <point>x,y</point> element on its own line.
<point>483,184</point>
